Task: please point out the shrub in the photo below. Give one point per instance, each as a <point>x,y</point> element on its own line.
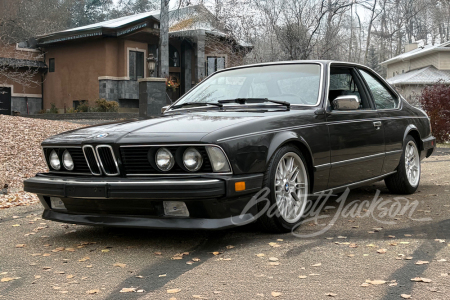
<point>83,107</point>
<point>71,110</point>
<point>107,106</point>
<point>53,109</point>
<point>435,101</point>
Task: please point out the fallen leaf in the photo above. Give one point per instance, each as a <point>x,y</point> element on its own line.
<point>314,274</point>
<point>279,240</point>
<point>37,276</point>
<point>316,265</point>
<point>46,254</point>
<point>177,257</point>
<point>69,276</point>
<point>6,279</point>
<point>275,294</point>
<point>405,296</point>
<point>173,291</point>
<point>331,294</point>
<point>376,282</point>
<point>84,259</point>
<point>351,255</point>
<point>20,245</point>
<point>198,297</point>
<point>341,237</point>
<point>121,265</point>
<point>189,262</point>
<point>392,284</point>
<point>162,275</point>
<point>139,276</point>
<point>196,259</point>
<point>92,292</point>
<point>158,253</point>
<point>382,251</point>
<point>105,250</point>
<point>274,245</point>
<point>420,279</point>
<point>391,236</point>
<point>422,262</point>
<point>260,254</point>
<point>16,225</point>
<point>409,257</point>
<point>364,284</point>
<point>302,276</point>
<point>230,247</point>
<point>407,234</point>
<point>370,245</point>
<point>89,266</point>
<point>442,260</point>
<point>274,263</point>
<point>404,243</point>
<point>70,249</point>
<point>353,245</point>
<point>273,259</point>
<point>216,253</point>
<point>127,290</point>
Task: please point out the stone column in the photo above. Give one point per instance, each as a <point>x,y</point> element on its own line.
<point>187,74</point>
<point>152,96</point>
<point>200,53</point>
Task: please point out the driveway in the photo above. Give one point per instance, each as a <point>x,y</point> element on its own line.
<point>366,252</point>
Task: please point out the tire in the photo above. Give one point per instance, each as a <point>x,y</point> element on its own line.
<point>285,214</point>
<point>404,181</point>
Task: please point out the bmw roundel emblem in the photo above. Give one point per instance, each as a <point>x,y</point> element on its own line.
<point>102,135</point>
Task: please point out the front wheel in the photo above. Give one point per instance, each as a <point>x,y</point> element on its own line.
<point>407,178</point>
<point>288,180</point>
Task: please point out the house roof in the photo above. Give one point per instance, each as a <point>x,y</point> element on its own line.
<point>427,75</point>
<point>193,19</point>
<point>427,49</point>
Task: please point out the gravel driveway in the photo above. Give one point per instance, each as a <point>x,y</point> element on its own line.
<point>356,258</point>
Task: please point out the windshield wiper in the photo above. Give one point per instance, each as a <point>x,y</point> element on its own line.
<point>197,104</point>
<point>256,100</point>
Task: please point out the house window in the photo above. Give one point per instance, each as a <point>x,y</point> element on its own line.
<point>174,57</point>
<point>136,65</point>
<point>51,65</point>
<point>215,63</point>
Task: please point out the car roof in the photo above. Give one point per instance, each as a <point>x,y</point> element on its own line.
<point>323,62</point>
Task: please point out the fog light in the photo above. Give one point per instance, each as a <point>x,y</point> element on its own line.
<point>56,203</point>
<point>175,208</point>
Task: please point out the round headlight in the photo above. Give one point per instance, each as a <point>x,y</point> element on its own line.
<point>192,159</point>
<point>67,161</point>
<point>164,159</point>
<point>54,160</point>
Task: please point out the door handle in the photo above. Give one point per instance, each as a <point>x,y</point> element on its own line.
<point>377,124</point>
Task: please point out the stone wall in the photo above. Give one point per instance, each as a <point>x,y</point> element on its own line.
<point>20,104</point>
<point>115,89</point>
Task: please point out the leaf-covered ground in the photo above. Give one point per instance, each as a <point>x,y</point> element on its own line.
<point>21,156</point>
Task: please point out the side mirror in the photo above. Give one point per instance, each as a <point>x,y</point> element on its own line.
<point>164,108</point>
<point>346,102</point>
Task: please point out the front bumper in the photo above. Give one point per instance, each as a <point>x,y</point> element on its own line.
<point>212,202</point>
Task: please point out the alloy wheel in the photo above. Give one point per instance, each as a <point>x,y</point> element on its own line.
<point>291,187</point>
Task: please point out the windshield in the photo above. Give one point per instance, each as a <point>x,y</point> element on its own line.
<point>294,83</point>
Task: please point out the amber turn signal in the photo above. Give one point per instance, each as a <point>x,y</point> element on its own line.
<point>239,186</point>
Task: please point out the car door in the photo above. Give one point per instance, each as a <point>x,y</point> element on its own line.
<point>393,119</point>
<point>356,137</point>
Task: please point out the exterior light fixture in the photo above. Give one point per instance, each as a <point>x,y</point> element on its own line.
<point>151,63</point>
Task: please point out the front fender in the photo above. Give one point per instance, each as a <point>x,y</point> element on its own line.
<point>285,137</point>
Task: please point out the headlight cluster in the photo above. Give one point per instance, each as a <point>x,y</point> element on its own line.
<point>66,160</point>
<point>190,159</point>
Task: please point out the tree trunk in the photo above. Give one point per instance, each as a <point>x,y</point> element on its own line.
<point>163,57</point>
<point>368,32</point>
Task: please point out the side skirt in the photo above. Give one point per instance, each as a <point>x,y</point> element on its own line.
<point>356,184</point>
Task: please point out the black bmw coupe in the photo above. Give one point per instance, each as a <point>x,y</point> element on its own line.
<point>294,129</point>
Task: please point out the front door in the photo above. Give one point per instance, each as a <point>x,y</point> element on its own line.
<point>5,101</point>
<point>356,140</point>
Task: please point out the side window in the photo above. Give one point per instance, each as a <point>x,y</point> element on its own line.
<point>343,82</point>
<point>382,97</point>
<point>136,65</point>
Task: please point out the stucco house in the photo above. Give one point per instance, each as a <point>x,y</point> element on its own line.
<point>21,76</point>
<point>107,59</point>
<point>418,67</point>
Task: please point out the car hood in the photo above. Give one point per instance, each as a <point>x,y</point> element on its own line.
<point>173,128</point>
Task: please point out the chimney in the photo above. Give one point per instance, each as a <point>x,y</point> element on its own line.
<point>411,47</point>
